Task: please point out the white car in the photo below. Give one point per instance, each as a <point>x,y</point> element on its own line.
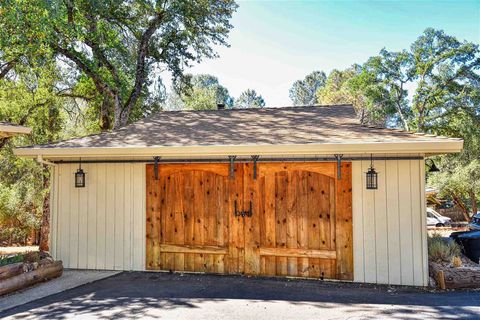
<point>435,219</point>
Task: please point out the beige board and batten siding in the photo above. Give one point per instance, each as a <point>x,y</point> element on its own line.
<point>389,224</point>
<point>101,226</point>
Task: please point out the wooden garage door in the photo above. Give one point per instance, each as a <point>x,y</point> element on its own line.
<point>300,223</point>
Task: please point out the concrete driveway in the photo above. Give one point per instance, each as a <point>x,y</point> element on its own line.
<point>173,296</point>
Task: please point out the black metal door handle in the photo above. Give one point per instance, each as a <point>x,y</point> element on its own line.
<point>248,213</point>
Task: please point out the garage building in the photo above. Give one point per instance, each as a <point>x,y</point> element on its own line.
<point>269,192</point>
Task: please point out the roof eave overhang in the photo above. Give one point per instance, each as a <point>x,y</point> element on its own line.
<point>12,130</point>
<point>427,148</point>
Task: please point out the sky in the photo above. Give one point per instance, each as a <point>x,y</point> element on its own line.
<point>274,43</point>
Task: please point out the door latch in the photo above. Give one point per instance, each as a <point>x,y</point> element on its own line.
<point>248,213</point>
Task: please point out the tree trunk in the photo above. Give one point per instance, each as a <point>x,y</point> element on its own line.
<point>105,114</point>
<point>462,206</point>
<point>45,226</point>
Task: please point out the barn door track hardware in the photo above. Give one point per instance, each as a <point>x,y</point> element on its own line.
<point>232,166</point>
<point>339,157</point>
<point>155,166</point>
<point>248,213</point>
<point>255,159</point>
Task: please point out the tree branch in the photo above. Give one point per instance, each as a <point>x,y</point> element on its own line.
<point>6,67</point>
<point>140,73</point>
<point>99,83</point>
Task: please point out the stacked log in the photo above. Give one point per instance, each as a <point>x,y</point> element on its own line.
<point>455,278</point>
<point>11,270</point>
<point>21,275</point>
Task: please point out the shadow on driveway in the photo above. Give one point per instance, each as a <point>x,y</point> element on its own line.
<point>143,295</point>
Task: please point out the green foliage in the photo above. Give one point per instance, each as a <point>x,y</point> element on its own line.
<point>121,47</point>
<point>249,99</point>
<point>9,259</point>
<point>200,92</point>
<point>28,257</point>
<point>357,87</point>
<point>303,92</point>
<point>441,249</point>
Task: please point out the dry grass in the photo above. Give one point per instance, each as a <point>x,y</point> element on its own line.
<point>440,250</point>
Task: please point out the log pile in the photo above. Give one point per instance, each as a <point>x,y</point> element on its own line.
<point>449,277</point>
<point>21,275</point>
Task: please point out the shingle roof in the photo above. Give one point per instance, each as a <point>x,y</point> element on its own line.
<point>313,130</point>
<point>268,126</point>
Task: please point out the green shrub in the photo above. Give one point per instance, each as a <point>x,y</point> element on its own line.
<point>9,259</point>
<point>441,250</point>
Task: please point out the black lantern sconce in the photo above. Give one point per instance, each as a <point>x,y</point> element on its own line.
<point>431,166</point>
<point>80,177</point>
<point>372,176</point>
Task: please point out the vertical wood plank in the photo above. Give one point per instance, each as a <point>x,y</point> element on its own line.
<point>210,216</point>
<point>236,240</point>
<point>92,216</point>
<point>74,196</point>
<point>110,223</point>
<point>160,220</point>
<point>178,220</point>
<point>315,221</point>
<point>252,224</point>
<point>381,235</point>
<point>53,211</point>
<point>417,217</point>
<point>357,221</point>
<point>83,220</point>
<point>302,224</point>
<point>101,216</point>
<point>189,223</point>
<point>423,220</point>
<point>64,214</point>
<point>152,231</point>
<point>221,203</point>
<point>128,226</point>
<point>138,244</point>
<point>281,185</point>
<point>405,211</point>
<point>269,221</point>
<point>144,215</point>
<point>393,229</point>
<point>292,217</point>
<point>119,214</point>
<point>370,258</point>
<point>199,196</point>
<point>343,224</point>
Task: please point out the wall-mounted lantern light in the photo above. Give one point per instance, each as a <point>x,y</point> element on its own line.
<point>431,166</point>
<point>80,177</point>
<point>372,176</point>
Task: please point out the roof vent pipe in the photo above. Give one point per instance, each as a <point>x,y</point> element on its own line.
<point>220,106</point>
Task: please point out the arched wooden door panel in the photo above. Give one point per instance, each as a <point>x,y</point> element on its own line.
<point>296,218</point>
<point>189,222</point>
<point>300,224</point>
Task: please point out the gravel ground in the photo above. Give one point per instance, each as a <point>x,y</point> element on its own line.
<point>142,295</point>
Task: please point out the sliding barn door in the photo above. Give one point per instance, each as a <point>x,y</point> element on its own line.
<point>190,225</point>
<point>301,225</point>
<point>292,219</point>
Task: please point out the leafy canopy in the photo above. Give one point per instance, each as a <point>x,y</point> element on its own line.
<point>303,92</point>
<point>121,48</point>
<point>249,99</point>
